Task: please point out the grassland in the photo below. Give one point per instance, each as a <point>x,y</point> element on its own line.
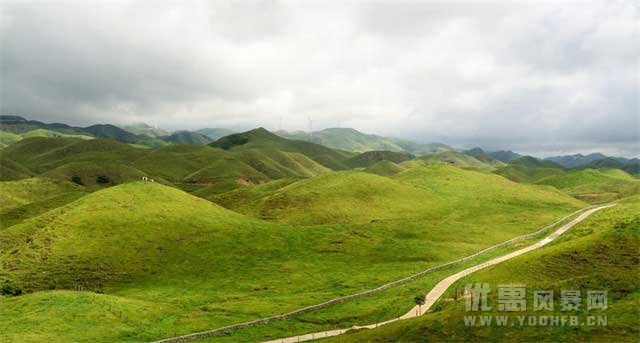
<point>269,228</point>
<point>461,160</point>
<point>595,185</point>
<point>418,193</point>
<point>171,263</point>
<point>599,254</point>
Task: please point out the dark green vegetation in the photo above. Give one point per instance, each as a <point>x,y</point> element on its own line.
<point>599,254</point>
<point>249,226</point>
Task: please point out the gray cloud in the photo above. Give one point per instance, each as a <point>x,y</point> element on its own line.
<point>541,77</point>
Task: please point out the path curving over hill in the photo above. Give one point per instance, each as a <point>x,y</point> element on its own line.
<point>438,290</point>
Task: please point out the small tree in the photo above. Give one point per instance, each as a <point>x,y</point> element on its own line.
<point>102,179</point>
<point>76,179</point>
<point>419,300</point>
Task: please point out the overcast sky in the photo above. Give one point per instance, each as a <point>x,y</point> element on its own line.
<point>541,78</point>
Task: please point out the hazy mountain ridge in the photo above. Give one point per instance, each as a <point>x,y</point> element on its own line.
<point>353,140</point>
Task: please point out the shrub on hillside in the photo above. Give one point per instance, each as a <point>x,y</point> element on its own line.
<point>76,179</point>
<point>102,179</point>
<point>9,289</point>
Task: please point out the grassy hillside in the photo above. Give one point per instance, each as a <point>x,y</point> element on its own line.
<point>216,133</point>
<point>521,173</point>
<point>170,263</point>
<point>145,129</point>
<point>263,139</point>
<point>205,164</point>
<point>370,158</point>
<point>598,254</point>
<point>417,192</point>
<point>64,158</point>
<point>12,170</point>
<point>462,160</point>
<point>17,193</point>
<point>49,133</point>
<point>352,140</point>
<point>8,138</point>
<point>187,137</point>
<point>595,185</point>
<point>384,168</point>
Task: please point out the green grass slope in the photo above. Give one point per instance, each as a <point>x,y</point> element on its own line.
<point>370,158</point>
<point>384,168</point>
<point>12,170</point>
<point>18,193</point>
<point>170,263</point>
<point>595,185</point>
<point>8,138</point>
<point>42,154</point>
<point>600,253</point>
<point>187,137</point>
<point>49,133</point>
<point>263,139</point>
<point>521,173</point>
<point>145,129</point>
<point>459,160</point>
<point>352,140</point>
<point>418,192</point>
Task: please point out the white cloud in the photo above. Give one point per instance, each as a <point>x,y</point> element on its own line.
<point>498,74</point>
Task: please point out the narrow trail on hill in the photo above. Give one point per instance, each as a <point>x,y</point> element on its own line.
<point>430,298</point>
<point>438,290</point>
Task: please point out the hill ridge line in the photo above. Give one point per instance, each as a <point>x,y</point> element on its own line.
<point>392,284</point>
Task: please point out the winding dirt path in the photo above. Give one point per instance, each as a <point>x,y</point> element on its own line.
<point>439,289</point>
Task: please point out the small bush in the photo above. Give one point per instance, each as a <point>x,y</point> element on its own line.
<point>102,179</point>
<point>9,289</point>
<point>76,179</point>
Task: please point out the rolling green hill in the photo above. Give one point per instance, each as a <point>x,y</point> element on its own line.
<point>598,254</point>
<point>187,137</point>
<point>216,133</point>
<point>370,158</point>
<point>8,138</point>
<point>49,133</point>
<point>462,160</point>
<point>415,193</point>
<point>145,129</point>
<point>64,158</point>
<point>171,263</point>
<point>595,185</point>
<point>12,170</point>
<point>521,173</point>
<point>263,139</point>
<point>352,140</point>
<point>384,168</point>
<point>18,193</point>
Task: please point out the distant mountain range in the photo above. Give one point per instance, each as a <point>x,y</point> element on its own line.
<point>14,128</point>
<point>353,140</point>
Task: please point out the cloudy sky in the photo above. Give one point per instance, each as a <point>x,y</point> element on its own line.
<point>543,77</point>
